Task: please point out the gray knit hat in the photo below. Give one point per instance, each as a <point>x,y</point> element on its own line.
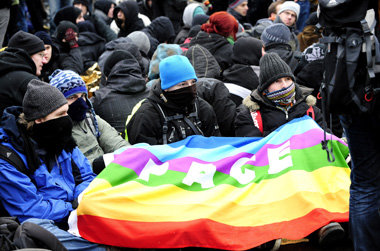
<point>272,67</point>
<point>141,40</point>
<point>290,5</point>
<point>41,99</point>
<point>276,33</point>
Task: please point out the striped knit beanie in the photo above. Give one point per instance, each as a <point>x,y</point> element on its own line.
<point>276,33</point>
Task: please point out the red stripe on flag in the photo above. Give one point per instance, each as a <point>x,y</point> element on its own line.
<point>199,233</point>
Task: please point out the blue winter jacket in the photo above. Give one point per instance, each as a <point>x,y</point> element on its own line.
<point>50,194</point>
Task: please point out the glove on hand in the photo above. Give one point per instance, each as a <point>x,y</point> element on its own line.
<point>70,38</point>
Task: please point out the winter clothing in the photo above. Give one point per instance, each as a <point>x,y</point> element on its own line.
<point>145,9</point>
<point>218,46</point>
<point>175,69</point>
<point>163,51</point>
<point>91,46</point>
<point>242,77</point>
<point>124,88</point>
<point>68,13</point>
<point>199,19</point>
<point>276,33</point>
<point>109,48</point>
<point>234,3</point>
<point>41,99</point>
<point>102,24</point>
<point>141,40</point>
<point>260,26</point>
<point>159,31</point>
<point>294,43</point>
<point>292,58</point>
<point>52,65</point>
<point>272,117</point>
<point>290,5</point>
<point>204,63</point>
<point>51,192</point>
<point>26,41</point>
<point>173,9</point>
<point>44,36</point>
<point>271,69</point>
<point>16,70</point>
<point>68,83</point>
<point>132,21</point>
<point>146,125</point>
<point>188,16</point>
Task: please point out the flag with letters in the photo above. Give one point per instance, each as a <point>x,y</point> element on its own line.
<point>217,192</point>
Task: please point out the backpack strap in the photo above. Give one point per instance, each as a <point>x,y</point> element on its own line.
<point>310,112</point>
<point>9,155</point>
<point>257,120</point>
<point>194,126</point>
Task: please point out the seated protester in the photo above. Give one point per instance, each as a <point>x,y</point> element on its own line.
<point>280,100</point>
<point>109,48</point>
<point>172,110</point>
<point>163,51</point>
<point>211,89</point>
<point>141,40</point>
<point>94,136</point>
<point>159,31</point>
<point>68,13</point>
<point>243,75</point>
<point>276,39</point>
<point>310,34</point>
<point>218,36</point>
<point>21,62</point>
<point>145,8</point>
<point>66,39</point>
<point>261,24</point>
<point>288,15</point>
<point>51,55</point>
<point>192,33</point>
<point>126,17</point>
<point>238,9</point>
<point>124,88</point>
<point>193,9</point>
<point>39,132</point>
<point>101,21</point>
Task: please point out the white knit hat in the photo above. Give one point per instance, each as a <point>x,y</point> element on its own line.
<point>290,5</point>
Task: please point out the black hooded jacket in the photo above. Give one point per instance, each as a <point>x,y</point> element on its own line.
<point>159,31</point>
<point>132,21</point>
<point>91,46</point>
<point>146,125</point>
<point>124,88</point>
<point>218,45</point>
<point>285,52</point>
<point>16,70</point>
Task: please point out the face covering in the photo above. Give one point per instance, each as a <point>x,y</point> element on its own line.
<point>54,135</point>
<point>77,110</point>
<point>182,97</point>
<point>284,97</point>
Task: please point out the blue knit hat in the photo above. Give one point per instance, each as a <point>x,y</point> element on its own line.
<point>68,82</point>
<point>175,69</point>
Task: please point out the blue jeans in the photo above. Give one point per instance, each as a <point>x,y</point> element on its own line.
<point>363,137</point>
<point>304,14</point>
<point>71,242</point>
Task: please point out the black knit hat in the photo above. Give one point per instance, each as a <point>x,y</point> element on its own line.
<point>247,51</point>
<point>44,36</point>
<point>41,99</point>
<point>62,27</point>
<point>68,13</point>
<point>272,67</point>
<point>26,41</point>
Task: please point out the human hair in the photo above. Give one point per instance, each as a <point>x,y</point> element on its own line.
<point>272,7</point>
<point>22,121</point>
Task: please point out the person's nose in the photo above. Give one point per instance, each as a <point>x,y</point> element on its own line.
<point>44,60</point>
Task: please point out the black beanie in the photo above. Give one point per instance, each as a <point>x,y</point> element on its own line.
<point>62,27</point>
<point>272,67</point>
<point>26,41</point>
<point>247,51</point>
<point>44,36</point>
<point>84,2</point>
<point>68,13</point>
<point>114,58</point>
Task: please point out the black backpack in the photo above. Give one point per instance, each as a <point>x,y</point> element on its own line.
<point>349,85</point>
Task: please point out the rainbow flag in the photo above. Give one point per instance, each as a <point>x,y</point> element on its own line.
<point>223,193</point>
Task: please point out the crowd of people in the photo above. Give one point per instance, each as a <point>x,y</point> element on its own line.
<point>169,69</point>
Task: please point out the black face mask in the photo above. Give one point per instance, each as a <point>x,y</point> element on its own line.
<point>182,97</point>
<point>77,110</point>
<point>54,135</point>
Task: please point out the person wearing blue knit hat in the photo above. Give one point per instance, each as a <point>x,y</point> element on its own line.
<point>94,136</point>
<point>172,111</point>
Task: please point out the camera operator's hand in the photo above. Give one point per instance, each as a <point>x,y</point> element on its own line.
<point>71,38</point>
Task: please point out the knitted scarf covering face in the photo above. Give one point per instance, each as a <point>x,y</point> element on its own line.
<point>284,98</point>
